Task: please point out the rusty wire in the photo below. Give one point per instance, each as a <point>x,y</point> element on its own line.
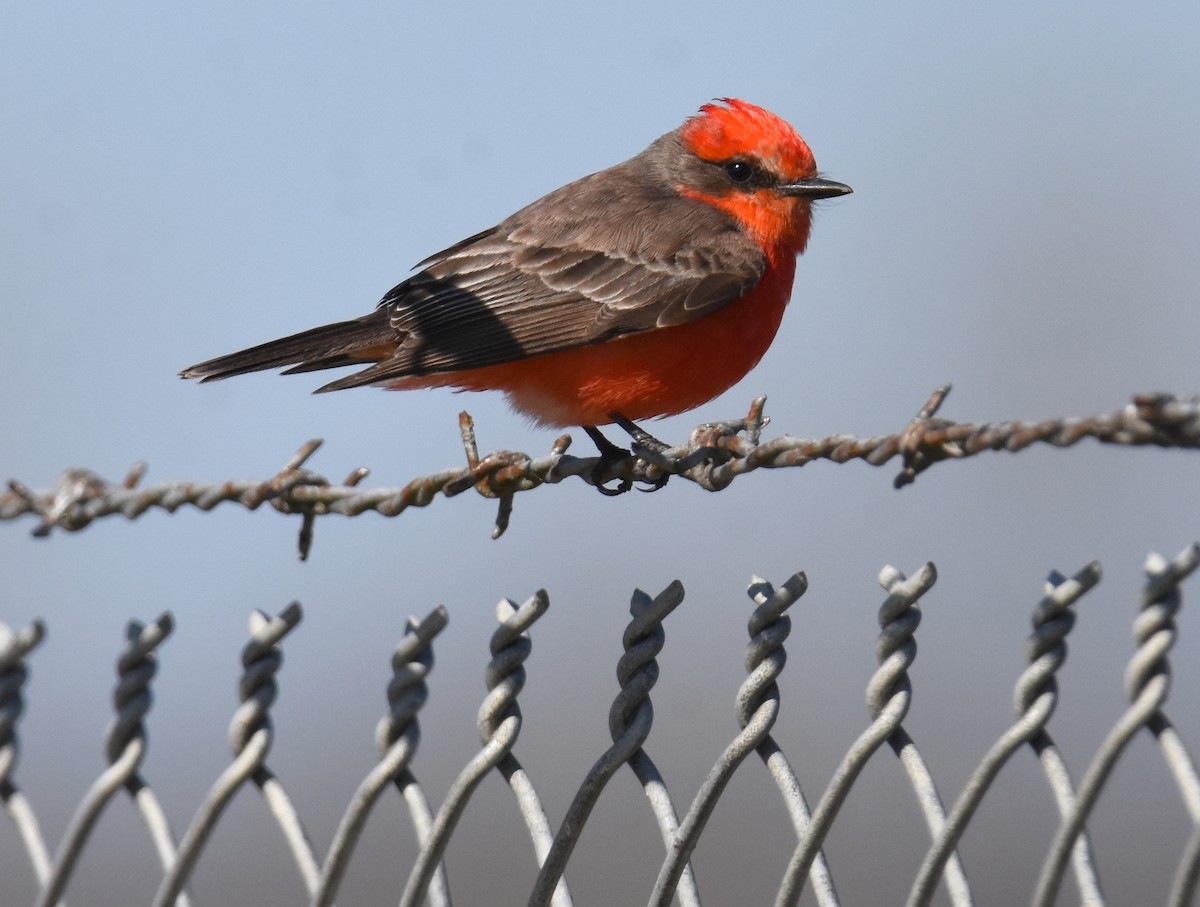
<point>714,455</point>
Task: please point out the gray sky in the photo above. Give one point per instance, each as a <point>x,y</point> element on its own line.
<point>183,181</point>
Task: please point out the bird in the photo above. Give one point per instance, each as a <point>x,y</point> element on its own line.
<point>642,290</point>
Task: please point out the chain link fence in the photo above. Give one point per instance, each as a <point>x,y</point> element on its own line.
<point>758,709</point>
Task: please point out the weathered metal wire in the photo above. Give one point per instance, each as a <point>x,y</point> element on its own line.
<point>715,455</point>
<point>505,678</point>
<point>126,747</point>
<point>757,709</point>
<point>132,698</point>
<point>14,647</point>
<point>499,723</point>
<point>889,694</point>
<point>250,735</point>
<point>630,720</point>
<point>1147,681</point>
<point>397,737</point>
<point>768,628</point>
<point>1035,700</point>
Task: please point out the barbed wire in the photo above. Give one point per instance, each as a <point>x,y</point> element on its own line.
<point>715,454</point>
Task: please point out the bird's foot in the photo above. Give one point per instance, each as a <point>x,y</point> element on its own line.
<point>645,447</point>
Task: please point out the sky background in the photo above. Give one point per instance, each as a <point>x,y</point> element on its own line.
<point>183,180</point>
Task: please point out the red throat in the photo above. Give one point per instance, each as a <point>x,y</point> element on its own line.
<point>780,226</point>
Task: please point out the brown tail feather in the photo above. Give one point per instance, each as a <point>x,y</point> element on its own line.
<point>339,361</point>
<point>364,378</point>
<point>365,339</point>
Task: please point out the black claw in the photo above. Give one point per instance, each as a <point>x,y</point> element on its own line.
<point>646,441</point>
<point>610,454</point>
<point>656,484</point>
<point>622,486</point>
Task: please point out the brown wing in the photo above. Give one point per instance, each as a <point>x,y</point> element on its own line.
<point>595,260</point>
<point>614,253</point>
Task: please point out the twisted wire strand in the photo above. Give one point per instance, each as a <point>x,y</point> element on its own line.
<point>136,667</point>
<point>647,642</point>
<point>250,734</point>
<point>630,719</point>
<point>397,737</point>
<point>771,604</point>
<point>715,455</point>
<point>1054,766</point>
<point>896,635</point>
<point>1035,698</point>
<point>14,647</point>
<point>261,660</point>
<point>505,679</point>
<point>1147,681</point>
<point>1160,601</point>
<point>125,749</point>
<point>889,693</point>
<point>757,707</point>
<point>499,723</point>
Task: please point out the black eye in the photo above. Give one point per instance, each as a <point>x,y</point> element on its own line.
<point>739,171</point>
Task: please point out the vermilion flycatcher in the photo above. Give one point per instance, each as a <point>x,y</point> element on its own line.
<point>643,290</point>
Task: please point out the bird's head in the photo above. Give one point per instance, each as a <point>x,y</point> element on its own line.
<point>755,167</point>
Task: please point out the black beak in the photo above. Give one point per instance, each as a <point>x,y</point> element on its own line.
<point>813,188</point>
